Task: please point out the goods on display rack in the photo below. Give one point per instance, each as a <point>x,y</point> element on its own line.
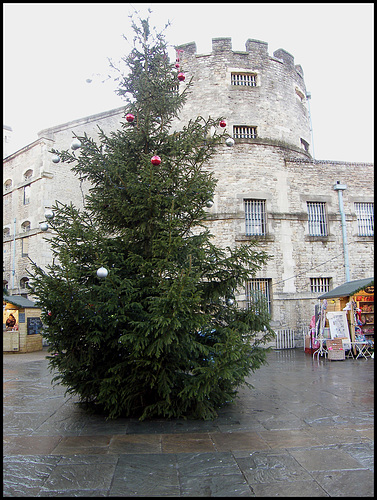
<point>347,314</point>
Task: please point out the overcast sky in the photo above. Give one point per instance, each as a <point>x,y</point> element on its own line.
<point>51,49</point>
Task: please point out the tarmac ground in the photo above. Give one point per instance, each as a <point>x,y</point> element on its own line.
<point>305,430</point>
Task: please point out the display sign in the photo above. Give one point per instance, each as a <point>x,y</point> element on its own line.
<point>34,325</point>
<point>338,324</point>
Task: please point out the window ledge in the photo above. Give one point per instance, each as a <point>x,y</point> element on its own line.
<point>324,239</point>
<point>258,237</point>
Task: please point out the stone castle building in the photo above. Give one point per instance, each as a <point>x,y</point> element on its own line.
<point>269,186</point>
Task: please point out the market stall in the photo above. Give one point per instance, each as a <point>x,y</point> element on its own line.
<point>21,325</point>
<point>347,313</point>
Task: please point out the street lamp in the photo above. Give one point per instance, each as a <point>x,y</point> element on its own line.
<point>341,187</point>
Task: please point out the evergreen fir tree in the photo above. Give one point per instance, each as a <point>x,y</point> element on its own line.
<point>159,336</point>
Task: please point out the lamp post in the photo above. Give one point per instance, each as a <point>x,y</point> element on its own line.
<point>341,187</point>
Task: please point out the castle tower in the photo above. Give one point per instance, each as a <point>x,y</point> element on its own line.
<point>261,97</point>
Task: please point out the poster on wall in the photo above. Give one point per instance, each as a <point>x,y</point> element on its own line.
<point>338,324</point>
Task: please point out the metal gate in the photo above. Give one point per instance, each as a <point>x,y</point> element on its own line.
<point>285,339</point>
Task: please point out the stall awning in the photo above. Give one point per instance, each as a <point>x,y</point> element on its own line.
<point>19,301</point>
<point>348,288</point>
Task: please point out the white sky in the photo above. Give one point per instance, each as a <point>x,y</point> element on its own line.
<point>50,49</point>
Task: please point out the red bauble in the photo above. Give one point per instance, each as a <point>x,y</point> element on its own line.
<point>177,65</point>
<point>155,160</point>
<point>222,123</point>
<point>130,117</point>
<point>181,77</point>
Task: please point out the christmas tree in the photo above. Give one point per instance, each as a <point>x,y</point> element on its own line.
<point>138,303</point>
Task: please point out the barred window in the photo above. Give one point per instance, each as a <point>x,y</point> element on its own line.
<point>365,218</point>
<point>23,283</point>
<point>317,219</point>
<point>258,293</point>
<point>25,226</point>
<point>255,217</point>
<point>245,79</point>
<point>28,174</point>
<point>244,132</point>
<point>320,285</point>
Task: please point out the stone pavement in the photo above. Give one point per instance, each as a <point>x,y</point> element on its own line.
<point>306,429</point>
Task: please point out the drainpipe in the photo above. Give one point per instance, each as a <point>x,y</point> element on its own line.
<point>308,97</point>
<point>14,253</point>
<point>341,187</point>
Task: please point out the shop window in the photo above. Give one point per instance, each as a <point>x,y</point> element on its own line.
<point>255,217</point>
<point>28,174</point>
<point>244,132</point>
<point>244,79</point>
<point>23,283</point>
<point>7,185</point>
<point>258,294</point>
<point>317,219</point>
<point>365,219</point>
<point>26,194</point>
<point>320,285</point>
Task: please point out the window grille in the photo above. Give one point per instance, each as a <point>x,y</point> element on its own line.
<point>245,79</point>
<point>255,217</point>
<point>320,285</point>
<point>258,293</point>
<point>317,219</point>
<point>243,132</point>
<point>365,218</point>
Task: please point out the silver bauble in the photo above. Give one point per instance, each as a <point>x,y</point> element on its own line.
<point>102,272</point>
<point>56,159</point>
<point>230,302</point>
<point>43,226</point>
<point>76,144</point>
<point>229,142</point>
<point>209,203</point>
<point>49,214</point>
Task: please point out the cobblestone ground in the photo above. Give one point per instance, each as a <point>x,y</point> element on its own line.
<point>305,430</point>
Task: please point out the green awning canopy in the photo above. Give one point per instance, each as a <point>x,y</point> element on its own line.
<point>19,301</point>
<point>347,289</point>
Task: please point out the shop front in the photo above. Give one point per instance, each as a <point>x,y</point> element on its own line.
<point>346,321</point>
<point>21,325</point>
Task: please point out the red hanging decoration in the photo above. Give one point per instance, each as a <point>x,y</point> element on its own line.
<point>181,77</point>
<point>130,117</point>
<point>155,160</point>
<point>222,123</point>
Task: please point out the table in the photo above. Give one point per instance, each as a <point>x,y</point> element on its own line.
<point>362,348</point>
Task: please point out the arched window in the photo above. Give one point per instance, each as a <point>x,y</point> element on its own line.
<point>7,184</point>
<point>5,285</point>
<point>28,174</point>
<point>25,226</point>
<point>23,283</point>
<point>6,232</point>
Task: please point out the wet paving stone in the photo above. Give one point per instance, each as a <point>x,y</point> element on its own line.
<point>80,477</point>
<point>146,475</point>
<point>270,467</point>
<point>136,443</point>
<point>349,483</point>
<point>26,475</point>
